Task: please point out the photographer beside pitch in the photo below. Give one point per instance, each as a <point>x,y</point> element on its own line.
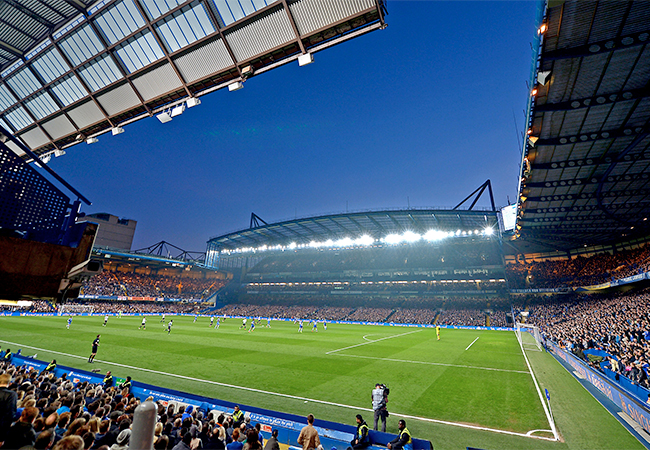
<point>379,400</point>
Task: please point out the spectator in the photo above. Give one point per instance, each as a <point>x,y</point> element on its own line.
<point>308,437</point>
<point>8,400</point>
<point>22,432</point>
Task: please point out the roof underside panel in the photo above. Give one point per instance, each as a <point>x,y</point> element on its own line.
<point>57,57</point>
<point>590,128</point>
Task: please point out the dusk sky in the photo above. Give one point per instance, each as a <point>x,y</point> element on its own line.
<point>422,112</point>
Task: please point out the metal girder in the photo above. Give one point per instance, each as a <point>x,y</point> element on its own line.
<point>586,162</point>
<point>31,14</point>
<point>23,32</point>
<point>590,180</point>
<point>27,110</point>
<point>154,33</point>
<point>377,224</point>
<point>293,25</point>
<point>92,25</point>
<point>596,100</point>
<point>596,48</point>
<point>588,137</point>
<point>590,195</point>
<point>221,35</point>
<point>82,82</point>
<point>11,49</point>
<point>80,7</point>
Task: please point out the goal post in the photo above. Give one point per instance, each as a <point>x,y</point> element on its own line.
<point>529,336</point>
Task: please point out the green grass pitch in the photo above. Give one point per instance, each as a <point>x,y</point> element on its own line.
<point>331,373</point>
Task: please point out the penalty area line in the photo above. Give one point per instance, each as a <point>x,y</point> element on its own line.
<point>295,397</point>
<point>370,342</point>
<point>471,343</point>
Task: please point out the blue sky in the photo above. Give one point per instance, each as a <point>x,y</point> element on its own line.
<point>422,112</point>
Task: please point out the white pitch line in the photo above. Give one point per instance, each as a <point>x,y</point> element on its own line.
<point>437,364</point>
<point>471,344</point>
<point>370,342</point>
<point>176,376</point>
<point>365,337</point>
<point>539,392</point>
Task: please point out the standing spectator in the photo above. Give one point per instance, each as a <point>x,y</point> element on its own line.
<point>272,443</point>
<point>22,432</point>
<point>7,406</point>
<point>308,435</point>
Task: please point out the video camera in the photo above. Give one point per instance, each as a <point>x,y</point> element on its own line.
<point>385,388</point>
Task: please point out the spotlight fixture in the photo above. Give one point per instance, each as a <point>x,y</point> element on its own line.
<point>533,140</point>
<point>164,117</point>
<point>46,158</point>
<point>193,101</point>
<point>92,140</point>
<point>237,85</point>
<point>79,137</point>
<point>178,110</point>
<point>305,59</point>
<point>542,29</point>
<point>117,130</point>
<point>58,153</point>
<point>543,76</point>
<point>247,71</point>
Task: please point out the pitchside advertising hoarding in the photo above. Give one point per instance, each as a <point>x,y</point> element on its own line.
<point>630,406</point>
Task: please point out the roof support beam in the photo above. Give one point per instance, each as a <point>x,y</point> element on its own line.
<point>92,25</point>
<point>82,82</point>
<point>78,6</point>
<point>603,99</point>
<point>31,14</point>
<point>595,48</point>
<point>215,22</point>
<point>293,25</point>
<point>11,49</point>
<point>589,137</point>
<point>154,33</point>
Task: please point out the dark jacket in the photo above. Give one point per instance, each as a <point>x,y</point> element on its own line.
<point>272,444</point>
<point>7,411</point>
<point>20,434</point>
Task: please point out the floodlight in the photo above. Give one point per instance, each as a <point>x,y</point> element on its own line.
<point>79,137</point>
<point>305,59</point>
<point>247,71</point>
<point>488,231</point>
<point>292,245</point>
<point>364,240</point>
<point>193,101</point>
<point>164,117</point>
<point>178,110</point>
<point>46,158</point>
<point>532,140</point>
<point>543,76</point>
<point>117,130</point>
<point>92,140</point>
<point>410,236</point>
<point>393,239</point>
<point>542,29</point>
<point>237,85</point>
<point>58,153</point>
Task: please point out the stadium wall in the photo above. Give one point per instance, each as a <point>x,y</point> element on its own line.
<point>331,434</point>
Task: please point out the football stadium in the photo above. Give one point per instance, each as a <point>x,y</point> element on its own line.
<point>474,326</point>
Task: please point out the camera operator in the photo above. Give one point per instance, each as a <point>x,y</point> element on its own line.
<point>379,401</point>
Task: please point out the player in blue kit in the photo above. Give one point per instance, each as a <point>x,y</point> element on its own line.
<point>69,322</point>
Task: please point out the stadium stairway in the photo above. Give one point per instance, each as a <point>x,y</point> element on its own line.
<point>332,435</point>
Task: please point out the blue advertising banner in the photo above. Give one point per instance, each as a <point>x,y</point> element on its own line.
<point>637,411</point>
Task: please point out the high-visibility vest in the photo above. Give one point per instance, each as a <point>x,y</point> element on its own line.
<point>51,366</point>
<point>362,431</point>
<point>108,380</point>
<point>408,433</point>
<point>237,416</point>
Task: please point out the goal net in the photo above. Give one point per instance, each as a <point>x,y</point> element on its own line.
<point>528,336</point>
<point>67,309</point>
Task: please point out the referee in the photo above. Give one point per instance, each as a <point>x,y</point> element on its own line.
<point>91,358</point>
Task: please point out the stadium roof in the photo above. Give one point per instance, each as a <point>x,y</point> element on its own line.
<point>585,179</point>
<point>376,224</point>
<point>73,69</point>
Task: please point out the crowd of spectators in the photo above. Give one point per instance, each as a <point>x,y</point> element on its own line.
<point>618,325</point>
<point>579,271</point>
<point>37,306</point>
<point>134,307</point>
<point>115,284</point>
<point>52,412</point>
